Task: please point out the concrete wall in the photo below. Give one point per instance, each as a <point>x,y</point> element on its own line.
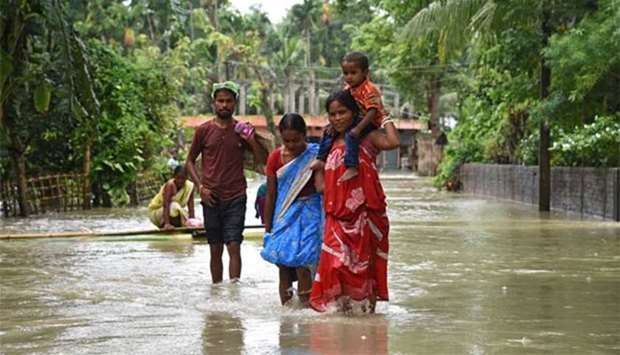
<point>586,191</point>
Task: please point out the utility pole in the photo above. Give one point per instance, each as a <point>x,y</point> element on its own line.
<point>544,159</point>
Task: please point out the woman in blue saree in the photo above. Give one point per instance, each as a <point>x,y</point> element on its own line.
<point>293,210</point>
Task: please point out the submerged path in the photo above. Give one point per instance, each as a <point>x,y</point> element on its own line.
<point>467,276</point>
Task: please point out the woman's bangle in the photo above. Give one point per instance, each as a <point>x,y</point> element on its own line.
<point>386,120</point>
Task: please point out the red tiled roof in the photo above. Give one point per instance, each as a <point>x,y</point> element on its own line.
<point>311,121</point>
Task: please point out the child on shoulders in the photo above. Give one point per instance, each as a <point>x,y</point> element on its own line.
<point>355,70</point>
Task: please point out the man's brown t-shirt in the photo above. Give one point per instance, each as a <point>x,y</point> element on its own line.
<point>222,159</point>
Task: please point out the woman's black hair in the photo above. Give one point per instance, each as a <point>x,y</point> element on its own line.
<point>345,98</point>
<point>292,121</point>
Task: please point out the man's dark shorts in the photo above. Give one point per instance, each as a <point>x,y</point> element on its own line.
<point>224,222</point>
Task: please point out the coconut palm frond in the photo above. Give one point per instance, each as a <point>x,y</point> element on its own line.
<point>451,23</point>
<point>482,21</point>
<point>425,21</point>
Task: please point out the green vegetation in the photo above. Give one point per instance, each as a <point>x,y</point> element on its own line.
<point>491,54</point>
<point>96,86</point>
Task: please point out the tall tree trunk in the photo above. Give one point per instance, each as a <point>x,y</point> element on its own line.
<point>211,7</point>
<point>433,109</point>
<point>286,100</point>
<point>19,160</point>
<point>13,43</point>
<point>307,35</point>
<point>291,97</point>
<point>268,113</point>
<point>544,158</point>
<point>86,166</point>
<point>312,99</point>
<point>272,101</point>
<point>433,106</point>
<point>242,100</point>
<point>301,101</point>
<point>190,9</point>
<point>149,21</point>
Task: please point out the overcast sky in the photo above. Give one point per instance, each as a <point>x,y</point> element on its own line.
<point>274,9</point>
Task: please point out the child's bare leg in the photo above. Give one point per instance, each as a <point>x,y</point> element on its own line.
<point>319,180</point>
<point>349,174</point>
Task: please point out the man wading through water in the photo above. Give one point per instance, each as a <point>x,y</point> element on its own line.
<point>222,142</point>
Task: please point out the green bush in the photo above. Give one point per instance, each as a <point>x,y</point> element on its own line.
<point>137,114</point>
<point>596,144</point>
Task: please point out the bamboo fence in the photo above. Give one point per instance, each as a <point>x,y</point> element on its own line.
<point>65,192</point>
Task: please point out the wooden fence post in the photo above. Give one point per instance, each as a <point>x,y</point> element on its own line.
<point>617,196</point>
<point>3,199</point>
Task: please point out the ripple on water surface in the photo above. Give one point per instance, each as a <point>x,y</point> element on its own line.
<point>467,275</point>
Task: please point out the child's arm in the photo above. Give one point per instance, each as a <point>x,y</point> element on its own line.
<point>270,201</point>
<point>319,180</point>
<point>368,118</point>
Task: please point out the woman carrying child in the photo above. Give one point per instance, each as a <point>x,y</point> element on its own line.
<point>353,261</point>
<point>293,209</point>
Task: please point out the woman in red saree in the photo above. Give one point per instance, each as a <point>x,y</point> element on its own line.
<point>353,261</point>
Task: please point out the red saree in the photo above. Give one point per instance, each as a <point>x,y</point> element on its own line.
<point>354,253</point>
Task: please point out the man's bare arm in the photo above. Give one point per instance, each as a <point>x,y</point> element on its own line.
<point>270,202</point>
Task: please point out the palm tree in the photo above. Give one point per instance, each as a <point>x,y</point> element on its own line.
<point>284,62</point>
<point>452,24</point>
<point>449,26</point>
<point>455,24</point>
<point>309,14</point>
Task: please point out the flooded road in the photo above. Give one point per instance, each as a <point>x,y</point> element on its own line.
<point>467,276</point>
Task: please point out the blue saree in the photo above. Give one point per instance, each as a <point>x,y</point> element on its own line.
<point>297,229</point>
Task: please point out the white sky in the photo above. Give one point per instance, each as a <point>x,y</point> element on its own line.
<point>274,9</point>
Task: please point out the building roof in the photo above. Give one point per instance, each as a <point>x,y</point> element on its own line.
<point>311,121</point>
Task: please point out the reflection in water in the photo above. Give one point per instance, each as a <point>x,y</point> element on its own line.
<point>181,248</point>
<point>222,334</point>
<point>354,335</point>
<point>28,310</point>
<point>308,333</point>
